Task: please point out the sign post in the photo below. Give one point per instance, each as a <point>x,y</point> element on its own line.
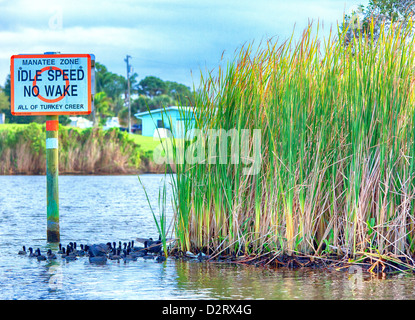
<point>52,174</point>
<point>52,85</point>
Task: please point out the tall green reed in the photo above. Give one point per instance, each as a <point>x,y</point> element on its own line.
<point>337,150</point>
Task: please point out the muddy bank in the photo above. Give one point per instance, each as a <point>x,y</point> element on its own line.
<point>330,262</point>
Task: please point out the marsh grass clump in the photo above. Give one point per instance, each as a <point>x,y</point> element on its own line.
<point>88,151</point>
<point>337,151</point>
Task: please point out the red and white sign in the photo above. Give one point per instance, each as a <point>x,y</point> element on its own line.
<point>51,84</point>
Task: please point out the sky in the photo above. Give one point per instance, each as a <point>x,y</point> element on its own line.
<point>174,40</point>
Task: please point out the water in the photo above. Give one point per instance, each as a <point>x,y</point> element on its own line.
<point>97,209</point>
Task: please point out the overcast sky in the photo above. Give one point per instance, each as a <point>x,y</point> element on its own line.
<point>168,39</point>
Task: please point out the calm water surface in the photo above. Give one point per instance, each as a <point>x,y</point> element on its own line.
<point>96,209</point>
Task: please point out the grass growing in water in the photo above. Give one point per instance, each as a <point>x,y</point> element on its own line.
<point>337,151</point>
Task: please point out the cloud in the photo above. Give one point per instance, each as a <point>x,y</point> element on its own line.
<point>165,38</point>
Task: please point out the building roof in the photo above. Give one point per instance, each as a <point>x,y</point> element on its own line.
<point>145,113</point>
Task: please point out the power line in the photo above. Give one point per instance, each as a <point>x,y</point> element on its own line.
<point>154,61</point>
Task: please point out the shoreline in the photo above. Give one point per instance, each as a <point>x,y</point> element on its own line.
<point>81,151</point>
<point>329,262</point>
<point>154,170</point>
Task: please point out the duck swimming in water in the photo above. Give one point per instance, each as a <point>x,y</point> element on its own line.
<point>150,245</point>
<point>160,258</point>
<point>31,254</point>
<point>50,255</point>
<point>98,259</point>
<point>115,255</point>
<point>153,246</point>
<point>137,249</point>
<point>39,256</point>
<point>81,252</point>
<point>127,257</point>
<point>75,250</point>
<point>97,250</point>
<point>98,253</point>
<point>70,257</point>
<point>69,251</point>
<point>22,252</point>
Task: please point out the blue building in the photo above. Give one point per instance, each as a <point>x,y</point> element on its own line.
<point>172,118</point>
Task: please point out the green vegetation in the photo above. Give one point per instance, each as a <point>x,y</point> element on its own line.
<point>81,151</point>
<point>147,144</point>
<point>337,147</point>
<point>152,93</point>
<point>367,20</point>
<point>156,93</point>
<point>109,101</point>
<point>17,155</point>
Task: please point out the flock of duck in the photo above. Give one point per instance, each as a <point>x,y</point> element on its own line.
<point>100,253</point>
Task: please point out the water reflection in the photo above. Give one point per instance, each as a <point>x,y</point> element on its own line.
<point>246,282</point>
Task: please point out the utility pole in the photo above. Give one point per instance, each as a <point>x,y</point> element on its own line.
<point>129,100</point>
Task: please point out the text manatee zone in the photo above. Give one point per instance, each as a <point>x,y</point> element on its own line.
<point>51,84</point>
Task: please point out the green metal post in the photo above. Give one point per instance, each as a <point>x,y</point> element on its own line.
<point>52,173</point>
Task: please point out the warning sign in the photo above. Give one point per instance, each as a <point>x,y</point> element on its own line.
<point>51,84</point>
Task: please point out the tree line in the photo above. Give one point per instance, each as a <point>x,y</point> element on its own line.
<point>111,97</point>
<point>152,92</point>
<point>366,21</point>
